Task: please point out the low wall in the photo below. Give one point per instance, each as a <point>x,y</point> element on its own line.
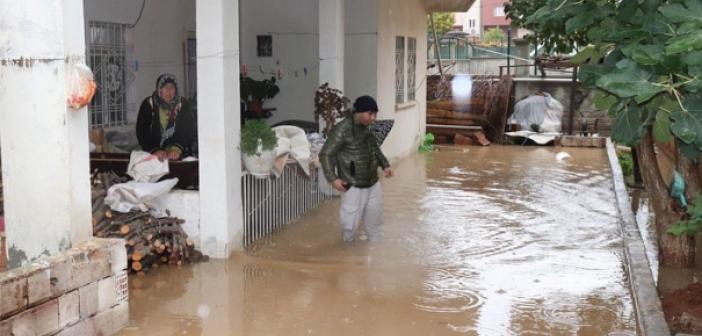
<point>184,204</point>
<point>81,291</point>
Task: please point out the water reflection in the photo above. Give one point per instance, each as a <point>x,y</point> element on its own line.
<point>489,241</point>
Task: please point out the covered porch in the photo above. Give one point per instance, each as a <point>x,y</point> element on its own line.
<point>352,45</point>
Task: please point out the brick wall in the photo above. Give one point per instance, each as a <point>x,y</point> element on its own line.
<point>81,291</point>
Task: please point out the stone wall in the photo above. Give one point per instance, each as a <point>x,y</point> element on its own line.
<point>81,291</point>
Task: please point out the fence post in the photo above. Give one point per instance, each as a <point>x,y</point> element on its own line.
<point>509,48</point>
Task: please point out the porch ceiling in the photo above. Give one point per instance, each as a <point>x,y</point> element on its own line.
<point>448,5</point>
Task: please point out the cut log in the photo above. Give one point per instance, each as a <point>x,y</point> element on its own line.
<point>137,266</point>
<point>96,194</point>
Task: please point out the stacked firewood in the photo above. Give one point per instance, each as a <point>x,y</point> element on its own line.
<point>150,241</point>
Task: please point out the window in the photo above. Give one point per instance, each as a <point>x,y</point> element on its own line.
<point>499,11</point>
<point>471,23</point>
<point>106,57</point>
<point>411,67</point>
<point>399,69</point>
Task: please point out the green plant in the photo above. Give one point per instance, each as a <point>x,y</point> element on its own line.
<point>254,132</point>
<point>443,22</point>
<point>330,104</point>
<point>626,162</point>
<point>693,224</point>
<point>253,90</point>
<point>494,36</point>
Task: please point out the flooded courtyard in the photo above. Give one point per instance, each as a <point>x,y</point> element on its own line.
<point>478,241</point>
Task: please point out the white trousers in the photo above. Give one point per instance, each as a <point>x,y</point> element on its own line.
<point>362,204</point>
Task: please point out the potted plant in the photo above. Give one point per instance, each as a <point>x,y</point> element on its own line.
<point>330,105</point>
<point>258,142</point>
<point>254,92</point>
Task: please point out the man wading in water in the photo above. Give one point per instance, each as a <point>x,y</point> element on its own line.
<point>350,159</point>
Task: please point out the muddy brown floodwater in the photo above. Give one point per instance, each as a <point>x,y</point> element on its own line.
<point>478,241</point>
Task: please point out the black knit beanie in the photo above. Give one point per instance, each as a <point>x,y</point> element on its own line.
<point>365,104</point>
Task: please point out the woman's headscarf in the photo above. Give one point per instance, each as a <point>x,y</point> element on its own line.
<point>173,106</point>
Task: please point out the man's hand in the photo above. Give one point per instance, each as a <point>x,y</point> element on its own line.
<point>161,155</point>
<point>388,172</point>
<point>338,184</point>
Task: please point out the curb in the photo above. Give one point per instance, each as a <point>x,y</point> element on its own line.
<point>649,311</point>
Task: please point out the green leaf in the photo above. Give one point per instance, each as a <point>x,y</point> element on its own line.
<point>695,86</point>
<point>646,54</point>
<point>685,43</point>
<point>684,127</point>
<point>597,33</point>
<point>695,207</point>
<point>687,27</point>
<point>629,126</point>
<point>585,18</point>
<point>583,55</point>
<point>661,127</point>
<point>630,82</point>
<point>689,227</point>
<point>677,13</point>
<point>693,58</point>
<point>603,100</point>
<point>588,74</point>
<point>671,64</point>
<point>689,150</point>
<point>600,51</point>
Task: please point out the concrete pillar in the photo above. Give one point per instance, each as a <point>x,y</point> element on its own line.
<point>331,43</point>
<point>45,163</point>
<point>522,49</point>
<point>221,220</point>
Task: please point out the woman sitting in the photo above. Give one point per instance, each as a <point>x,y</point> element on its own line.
<point>165,126</point>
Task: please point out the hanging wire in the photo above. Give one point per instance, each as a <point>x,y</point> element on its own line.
<point>141,11</point>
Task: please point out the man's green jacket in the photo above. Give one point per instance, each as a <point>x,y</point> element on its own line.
<point>352,154</point>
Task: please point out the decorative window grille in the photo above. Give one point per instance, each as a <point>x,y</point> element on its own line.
<point>411,67</point>
<point>106,57</point>
<point>399,69</point>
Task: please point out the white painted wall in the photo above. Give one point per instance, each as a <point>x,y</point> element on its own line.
<point>401,18</point>
<point>45,144</point>
<point>472,14</point>
<point>155,43</point>
<point>294,27</point>
<point>361,48</point>
<point>331,43</point>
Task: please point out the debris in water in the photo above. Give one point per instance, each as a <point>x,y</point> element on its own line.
<point>562,156</point>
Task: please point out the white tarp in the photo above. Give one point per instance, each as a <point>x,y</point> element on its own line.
<point>145,167</point>
<point>124,197</point>
<point>292,142</point>
<point>141,193</point>
<point>540,110</point>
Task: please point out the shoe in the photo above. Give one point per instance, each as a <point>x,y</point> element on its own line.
<point>363,236</point>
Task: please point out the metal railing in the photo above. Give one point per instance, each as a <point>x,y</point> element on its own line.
<point>270,203</point>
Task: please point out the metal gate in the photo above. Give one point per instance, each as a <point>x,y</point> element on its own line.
<point>106,57</point>
<point>272,202</point>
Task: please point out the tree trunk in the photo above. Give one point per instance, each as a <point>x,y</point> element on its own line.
<point>674,251</point>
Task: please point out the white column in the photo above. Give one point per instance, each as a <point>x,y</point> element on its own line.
<point>331,43</point>
<point>45,165</point>
<point>221,221</point>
